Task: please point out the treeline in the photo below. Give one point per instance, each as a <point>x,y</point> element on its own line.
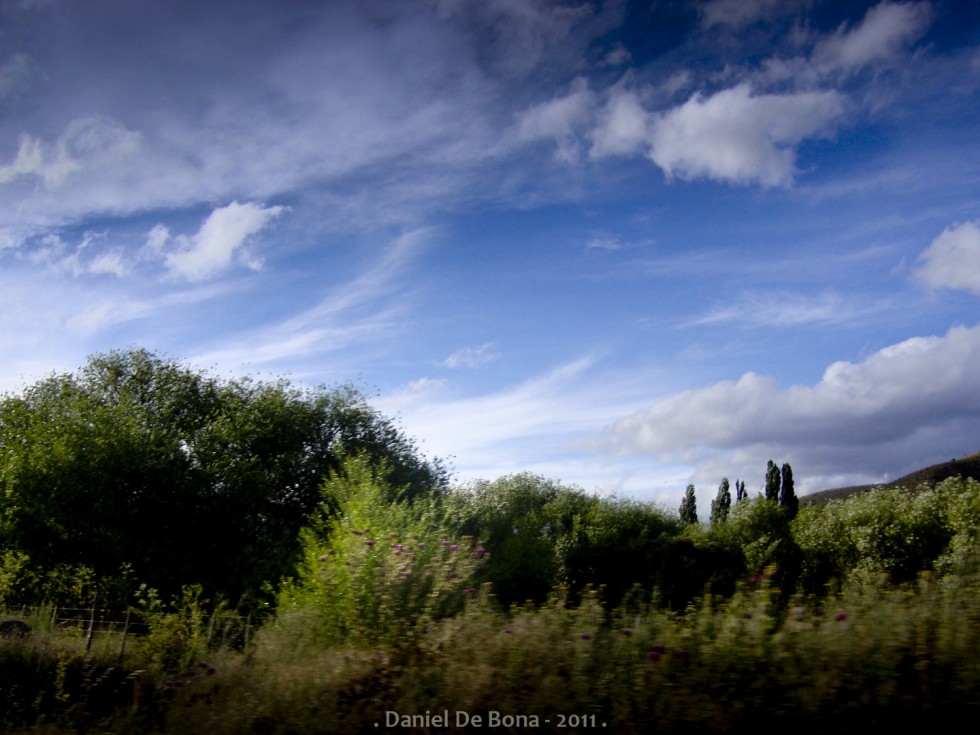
<point>137,472</point>
<point>137,478</point>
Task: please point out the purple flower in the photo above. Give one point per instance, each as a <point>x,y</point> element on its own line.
<point>369,543</point>
<point>454,547</point>
<point>469,590</point>
<point>421,545</point>
<point>585,636</point>
<point>654,656</point>
<point>445,543</point>
<point>841,616</point>
<point>481,551</point>
<point>658,648</point>
<point>406,575</point>
<point>322,558</point>
<point>398,547</point>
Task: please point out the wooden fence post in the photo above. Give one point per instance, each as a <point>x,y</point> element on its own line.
<point>122,649</point>
<point>91,625</point>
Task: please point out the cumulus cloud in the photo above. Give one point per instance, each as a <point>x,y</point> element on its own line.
<point>886,31</point>
<point>623,126</point>
<point>953,259</point>
<point>212,248</point>
<point>736,136</point>
<point>920,384</point>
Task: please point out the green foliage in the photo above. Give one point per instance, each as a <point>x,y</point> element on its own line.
<point>188,478</point>
<point>787,493</point>
<point>893,532</point>
<point>772,481</point>
<point>527,522</point>
<point>722,503</point>
<point>689,507</point>
<point>375,569</point>
<point>541,534</point>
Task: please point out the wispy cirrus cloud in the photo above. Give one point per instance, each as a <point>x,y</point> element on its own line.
<point>760,310</point>
<point>471,357</point>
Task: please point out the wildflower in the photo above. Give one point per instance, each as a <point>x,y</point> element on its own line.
<point>406,575</point>
<point>585,636</point>
<point>841,616</point>
<point>322,558</point>
<point>369,543</point>
<point>481,551</point>
<point>421,545</point>
<point>454,547</point>
<point>658,648</point>
<point>469,590</point>
<point>654,656</point>
<point>445,543</point>
<point>398,547</point>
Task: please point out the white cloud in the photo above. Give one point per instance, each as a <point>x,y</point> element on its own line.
<point>15,74</point>
<point>738,13</point>
<point>623,126</point>
<point>759,309</point>
<point>922,385</point>
<point>87,143</point>
<point>212,248</point>
<point>471,357</point>
<point>953,259</point>
<point>738,137</point>
<point>559,119</point>
<point>885,32</point>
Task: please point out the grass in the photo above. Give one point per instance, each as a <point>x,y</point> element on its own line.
<point>875,656</point>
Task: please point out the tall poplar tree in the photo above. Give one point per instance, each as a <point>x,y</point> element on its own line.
<point>787,496</point>
<point>772,481</point>
<point>722,503</point>
<point>689,508</point>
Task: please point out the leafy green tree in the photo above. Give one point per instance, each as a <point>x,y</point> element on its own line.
<point>772,482</point>
<point>187,478</point>
<point>722,503</point>
<point>689,507</point>
<point>787,494</point>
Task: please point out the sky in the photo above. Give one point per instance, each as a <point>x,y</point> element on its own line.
<point>623,245</point>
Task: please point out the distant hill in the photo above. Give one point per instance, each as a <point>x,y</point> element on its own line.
<point>965,467</point>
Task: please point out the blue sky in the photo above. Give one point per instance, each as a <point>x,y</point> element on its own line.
<point>625,245</point>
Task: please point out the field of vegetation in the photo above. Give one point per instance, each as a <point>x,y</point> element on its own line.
<point>288,562</point>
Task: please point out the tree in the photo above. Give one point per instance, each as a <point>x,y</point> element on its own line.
<point>689,509</point>
<point>740,493</point>
<point>772,482</point>
<point>721,504</point>
<point>140,460</point>
<point>787,495</point>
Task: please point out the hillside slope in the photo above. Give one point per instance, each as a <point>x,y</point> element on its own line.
<point>968,466</point>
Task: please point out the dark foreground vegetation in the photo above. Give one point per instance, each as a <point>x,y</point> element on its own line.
<point>292,564</point>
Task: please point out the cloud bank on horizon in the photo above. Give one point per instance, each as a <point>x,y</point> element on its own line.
<point>629,245</point>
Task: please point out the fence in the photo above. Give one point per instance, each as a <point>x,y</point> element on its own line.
<point>223,628</point>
